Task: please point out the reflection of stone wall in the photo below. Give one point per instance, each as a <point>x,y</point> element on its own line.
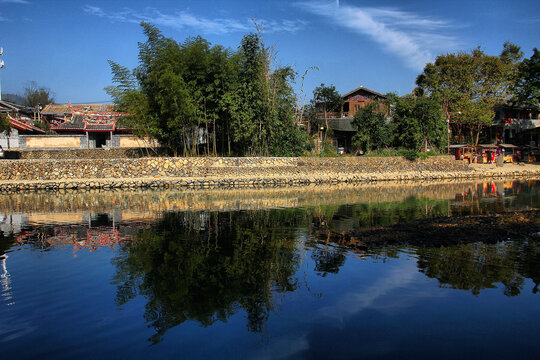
<point>147,204</point>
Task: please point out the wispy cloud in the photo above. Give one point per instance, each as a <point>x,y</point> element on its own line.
<point>409,36</point>
<point>14,2</point>
<point>182,20</point>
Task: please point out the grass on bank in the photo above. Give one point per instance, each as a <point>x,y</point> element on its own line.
<point>330,151</point>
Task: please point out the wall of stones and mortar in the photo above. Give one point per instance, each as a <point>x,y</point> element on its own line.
<point>204,167</point>
<point>62,154</point>
<point>105,173</point>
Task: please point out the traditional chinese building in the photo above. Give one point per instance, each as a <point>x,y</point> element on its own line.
<point>21,124</point>
<point>95,125</point>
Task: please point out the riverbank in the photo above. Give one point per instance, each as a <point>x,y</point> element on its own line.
<point>31,175</point>
<point>447,231</point>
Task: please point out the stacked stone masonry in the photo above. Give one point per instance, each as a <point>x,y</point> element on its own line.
<point>24,174</point>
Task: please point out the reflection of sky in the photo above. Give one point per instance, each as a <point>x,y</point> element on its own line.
<point>365,286</point>
<point>371,307</point>
<point>378,308</point>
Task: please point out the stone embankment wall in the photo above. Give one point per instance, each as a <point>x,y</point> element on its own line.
<point>110,153</point>
<point>223,172</point>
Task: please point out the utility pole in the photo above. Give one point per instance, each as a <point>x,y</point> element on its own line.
<point>1,66</point>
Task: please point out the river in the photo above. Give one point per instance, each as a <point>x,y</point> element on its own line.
<point>258,273</point>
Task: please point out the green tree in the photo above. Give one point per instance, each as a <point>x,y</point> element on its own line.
<point>527,86</point>
<point>190,95</point>
<point>418,121</point>
<point>468,86</point>
<point>374,130</point>
<point>326,99</point>
<point>4,124</point>
<point>35,95</point>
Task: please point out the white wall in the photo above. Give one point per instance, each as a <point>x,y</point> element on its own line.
<point>13,139</point>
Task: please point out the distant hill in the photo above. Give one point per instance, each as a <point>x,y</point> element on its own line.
<point>13,98</point>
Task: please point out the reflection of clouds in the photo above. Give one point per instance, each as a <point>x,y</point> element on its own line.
<point>355,302</point>
<point>372,296</point>
<point>5,281</point>
<point>284,347</point>
<point>13,327</point>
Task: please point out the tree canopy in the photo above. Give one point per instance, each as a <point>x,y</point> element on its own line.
<point>35,95</point>
<point>527,85</point>
<point>4,124</point>
<point>469,85</point>
<point>375,131</point>
<point>418,120</point>
<point>195,97</point>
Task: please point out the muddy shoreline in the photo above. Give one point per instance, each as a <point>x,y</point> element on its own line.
<point>447,231</point>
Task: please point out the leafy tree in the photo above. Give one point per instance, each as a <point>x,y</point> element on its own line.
<point>528,80</point>
<point>192,93</point>
<point>35,95</point>
<point>326,99</point>
<point>374,130</point>
<point>468,86</point>
<point>4,124</point>
<point>418,121</point>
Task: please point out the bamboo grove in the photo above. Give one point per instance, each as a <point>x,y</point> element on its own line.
<point>196,98</point>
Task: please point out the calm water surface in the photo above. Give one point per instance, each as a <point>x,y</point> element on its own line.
<point>254,274</point>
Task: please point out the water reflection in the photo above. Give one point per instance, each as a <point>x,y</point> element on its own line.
<point>478,266</point>
<point>202,258</point>
<point>204,267</point>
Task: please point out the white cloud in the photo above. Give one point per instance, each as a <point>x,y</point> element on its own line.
<point>14,2</point>
<point>181,20</point>
<point>409,36</point>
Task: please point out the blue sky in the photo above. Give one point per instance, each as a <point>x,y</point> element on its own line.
<point>383,45</point>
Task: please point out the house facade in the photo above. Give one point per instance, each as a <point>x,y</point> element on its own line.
<point>83,126</point>
<point>516,124</point>
<point>341,123</point>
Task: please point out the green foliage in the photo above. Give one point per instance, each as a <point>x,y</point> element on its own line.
<point>4,124</point>
<point>328,150</point>
<point>326,99</point>
<point>44,126</point>
<point>35,95</point>
<point>195,97</point>
<point>527,85</point>
<point>417,120</point>
<point>468,86</point>
<point>374,130</point>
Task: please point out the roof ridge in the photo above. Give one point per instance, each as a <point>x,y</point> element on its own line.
<point>362,87</point>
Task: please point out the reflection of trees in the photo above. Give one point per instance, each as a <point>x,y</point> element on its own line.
<point>328,260</point>
<point>384,214</point>
<point>6,241</point>
<point>204,266</point>
<point>479,266</point>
